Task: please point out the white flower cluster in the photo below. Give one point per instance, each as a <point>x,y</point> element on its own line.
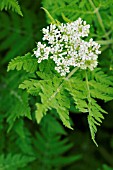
<point>65,46</point>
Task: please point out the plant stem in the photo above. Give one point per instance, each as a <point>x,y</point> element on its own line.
<point>88,89</point>
<point>71,73</point>
<point>105,42</point>
<point>59,88</point>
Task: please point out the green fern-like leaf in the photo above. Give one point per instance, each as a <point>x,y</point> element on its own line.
<point>54,148</point>
<point>75,9</point>
<point>47,91</point>
<point>22,137</point>
<point>84,93</point>
<point>27,63</point>
<point>21,108</point>
<point>13,162</point>
<point>84,87</point>
<point>16,103</point>
<point>10,4</point>
<point>18,35</point>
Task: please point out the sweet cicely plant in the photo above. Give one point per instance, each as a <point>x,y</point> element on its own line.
<point>62,71</point>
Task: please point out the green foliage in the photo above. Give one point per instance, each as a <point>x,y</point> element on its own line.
<point>84,94</point>
<point>54,148</point>
<point>87,11</point>
<point>17,101</point>
<point>53,94</point>
<point>23,138</point>
<point>27,62</point>
<point>14,162</point>
<point>16,36</point>
<point>19,34</point>
<point>33,148</point>
<point>94,12</point>
<point>10,4</point>
<point>26,145</point>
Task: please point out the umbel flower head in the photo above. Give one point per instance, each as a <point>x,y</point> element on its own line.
<point>64,44</point>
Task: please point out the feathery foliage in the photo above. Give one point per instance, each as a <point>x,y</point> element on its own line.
<point>14,162</point>
<point>34,146</point>
<point>53,149</point>
<point>18,34</point>
<point>94,12</point>
<point>88,91</point>
<point>17,101</point>
<point>10,4</point>
<point>83,89</point>
<point>27,62</point>
<point>45,96</point>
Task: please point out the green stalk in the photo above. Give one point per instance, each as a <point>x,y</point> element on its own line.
<point>59,88</point>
